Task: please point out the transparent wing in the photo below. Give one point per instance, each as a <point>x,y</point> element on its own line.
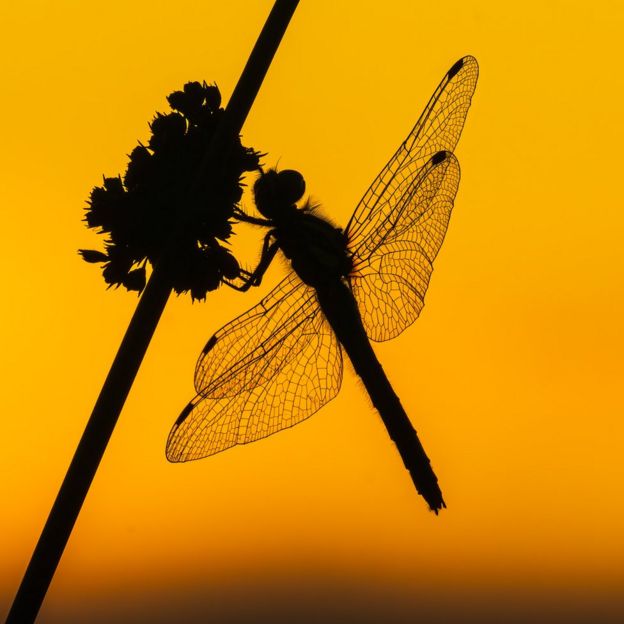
<point>438,129</point>
<point>391,276</point>
<point>274,366</point>
<point>249,350</point>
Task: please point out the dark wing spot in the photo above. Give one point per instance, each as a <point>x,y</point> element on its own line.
<point>211,343</point>
<point>185,412</point>
<point>436,159</point>
<point>455,68</point>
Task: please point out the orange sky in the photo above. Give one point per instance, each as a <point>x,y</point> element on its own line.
<point>512,375</point>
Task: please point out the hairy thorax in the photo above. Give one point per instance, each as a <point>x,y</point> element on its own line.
<point>316,249</point>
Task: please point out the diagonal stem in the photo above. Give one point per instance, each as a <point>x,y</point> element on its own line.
<point>99,429</point>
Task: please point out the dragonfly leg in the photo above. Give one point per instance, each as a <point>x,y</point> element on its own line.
<point>269,249</point>
<point>239,215</point>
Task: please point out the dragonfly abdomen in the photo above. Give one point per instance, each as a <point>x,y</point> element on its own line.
<point>340,309</point>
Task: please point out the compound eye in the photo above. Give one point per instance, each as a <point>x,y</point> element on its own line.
<point>291,185</point>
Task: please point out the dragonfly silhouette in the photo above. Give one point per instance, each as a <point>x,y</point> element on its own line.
<point>279,362</point>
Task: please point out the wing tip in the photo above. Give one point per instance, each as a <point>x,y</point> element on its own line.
<point>456,67</point>
<point>172,450</point>
<point>184,414</point>
<point>439,157</point>
<point>210,344</point>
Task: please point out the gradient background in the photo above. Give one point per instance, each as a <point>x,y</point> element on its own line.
<point>513,374</point>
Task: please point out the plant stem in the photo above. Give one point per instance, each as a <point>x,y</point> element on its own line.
<point>99,429</point>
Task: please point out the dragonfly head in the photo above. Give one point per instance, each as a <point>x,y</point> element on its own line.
<point>276,191</point>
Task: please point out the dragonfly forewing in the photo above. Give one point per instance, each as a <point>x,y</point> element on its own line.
<point>437,129</point>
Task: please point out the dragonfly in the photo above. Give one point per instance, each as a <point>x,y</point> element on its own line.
<point>282,360</point>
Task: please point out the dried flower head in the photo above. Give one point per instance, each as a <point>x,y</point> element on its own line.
<point>138,213</point>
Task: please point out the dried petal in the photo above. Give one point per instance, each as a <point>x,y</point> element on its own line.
<point>178,101</point>
<point>166,129</point>
<point>228,263</point>
<point>92,255</point>
<point>135,280</point>
<point>213,96</point>
<point>195,93</point>
<point>114,186</point>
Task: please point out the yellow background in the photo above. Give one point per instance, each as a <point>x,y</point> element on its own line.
<point>512,376</point>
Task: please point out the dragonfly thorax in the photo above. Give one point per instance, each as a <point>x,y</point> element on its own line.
<point>316,249</point>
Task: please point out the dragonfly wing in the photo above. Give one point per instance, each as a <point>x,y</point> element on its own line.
<point>390,279</point>
<point>279,384</point>
<point>249,350</point>
<point>438,129</point>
